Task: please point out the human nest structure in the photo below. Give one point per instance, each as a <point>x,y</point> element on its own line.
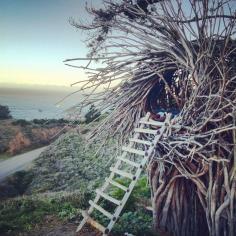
<point>177,57</point>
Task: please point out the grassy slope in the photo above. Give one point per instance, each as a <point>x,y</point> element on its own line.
<point>61,182</point>
<point>4,156</point>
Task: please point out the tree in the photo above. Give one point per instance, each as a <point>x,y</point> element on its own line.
<point>4,112</point>
<point>92,114</point>
<point>186,50</point>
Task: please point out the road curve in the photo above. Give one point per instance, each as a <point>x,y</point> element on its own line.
<point>18,162</point>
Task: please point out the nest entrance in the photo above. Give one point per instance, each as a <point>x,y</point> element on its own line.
<point>167,94</point>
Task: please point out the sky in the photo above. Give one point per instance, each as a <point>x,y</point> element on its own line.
<point>35,39</point>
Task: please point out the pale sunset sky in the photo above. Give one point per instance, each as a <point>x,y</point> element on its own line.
<point>35,39</point>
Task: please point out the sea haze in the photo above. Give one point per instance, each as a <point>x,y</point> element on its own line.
<point>38,102</point>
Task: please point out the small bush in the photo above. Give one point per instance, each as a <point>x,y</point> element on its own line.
<point>141,191</point>
<point>21,122</point>
<point>132,220</point>
<point>50,121</point>
<point>68,211</point>
<point>39,121</point>
<point>137,223</point>
<point>16,184</point>
<point>92,114</point>
<point>22,214</point>
<point>4,112</point>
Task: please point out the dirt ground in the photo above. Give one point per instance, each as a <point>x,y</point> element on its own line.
<point>54,227</point>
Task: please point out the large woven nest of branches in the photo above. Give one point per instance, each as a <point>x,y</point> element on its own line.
<point>172,56</point>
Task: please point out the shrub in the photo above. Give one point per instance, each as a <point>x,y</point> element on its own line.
<point>60,121</point>
<point>39,121</point>
<point>4,112</point>
<point>141,191</point>
<point>22,214</point>
<point>21,122</point>
<point>68,211</point>
<point>137,223</point>
<point>132,220</point>
<point>16,184</point>
<point>92,114</point>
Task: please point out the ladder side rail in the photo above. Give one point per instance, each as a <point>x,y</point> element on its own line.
<point>124,200</point>
<point>130,145</point>
<point>106,184</point>
<point>133,183</point>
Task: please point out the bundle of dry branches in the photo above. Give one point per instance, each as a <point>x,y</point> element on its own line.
<point>184,53</point>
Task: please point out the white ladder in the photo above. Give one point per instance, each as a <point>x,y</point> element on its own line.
<point>138,138</point>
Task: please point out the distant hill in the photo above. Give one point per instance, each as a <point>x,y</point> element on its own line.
<point>17,136</point>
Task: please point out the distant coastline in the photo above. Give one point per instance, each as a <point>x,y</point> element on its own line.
<point>37,102</point>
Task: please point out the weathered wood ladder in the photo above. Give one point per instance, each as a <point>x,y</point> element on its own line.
<point>137,139</point>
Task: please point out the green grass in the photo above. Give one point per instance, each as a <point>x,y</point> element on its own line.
<point>4,156</point>
<point>138,223</point>
<point>141,191</point>
<point>81,171</point>
<point>133,218</point>
<point>22,214</point>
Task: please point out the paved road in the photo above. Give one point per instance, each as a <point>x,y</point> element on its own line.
<point>19,162</point>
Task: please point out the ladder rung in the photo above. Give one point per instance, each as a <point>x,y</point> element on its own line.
<point>107,197</point>
<point>122,173</point>
<point>129,162</point>
<point>114,183</point>
<point>140,141</point>
<point>152,122</point>
<point>99,208</point>
<point>92,222</point>
<point>132,150</point>
<point>146,131</point>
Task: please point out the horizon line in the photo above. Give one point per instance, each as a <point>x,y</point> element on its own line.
<point>12,85</point>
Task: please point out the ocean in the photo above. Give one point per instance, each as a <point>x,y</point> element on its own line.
<point>38,102</point>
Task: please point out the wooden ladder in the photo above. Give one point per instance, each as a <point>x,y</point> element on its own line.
<point>144,127</point>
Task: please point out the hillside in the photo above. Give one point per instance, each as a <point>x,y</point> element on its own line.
<point>46,200</point>
<point>69,165</point>
<point>17,136</point>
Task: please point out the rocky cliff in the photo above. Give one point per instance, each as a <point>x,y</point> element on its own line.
<point>17,137</point>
